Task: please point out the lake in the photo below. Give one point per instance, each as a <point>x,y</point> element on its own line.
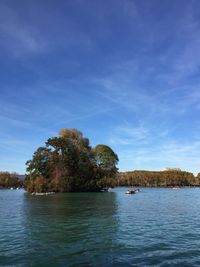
<point>155,227</point>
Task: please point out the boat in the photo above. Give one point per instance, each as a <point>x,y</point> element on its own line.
<point>130,192</point>
<point>176,188</point>
<point>42,194</point>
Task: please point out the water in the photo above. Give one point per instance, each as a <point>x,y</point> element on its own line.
<point>156,227</point>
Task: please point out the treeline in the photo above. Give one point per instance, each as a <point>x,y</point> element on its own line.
<point>67,163</point>
<point>170,177</point>
<point>9,180</point>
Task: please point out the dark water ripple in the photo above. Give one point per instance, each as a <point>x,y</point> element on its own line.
<point>156,227</point>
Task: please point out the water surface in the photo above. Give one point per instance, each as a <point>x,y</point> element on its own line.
<point>155,227</point>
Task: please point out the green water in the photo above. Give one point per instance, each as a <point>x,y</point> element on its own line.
<point>156,227</point>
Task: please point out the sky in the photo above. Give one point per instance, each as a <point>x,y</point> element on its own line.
<point>125,73</point>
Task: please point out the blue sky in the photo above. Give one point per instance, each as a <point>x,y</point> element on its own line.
<point>125,73</point>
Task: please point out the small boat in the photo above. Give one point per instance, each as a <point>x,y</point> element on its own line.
<point>176,188</point>
<point>130,192</point>
<point>42,194</point>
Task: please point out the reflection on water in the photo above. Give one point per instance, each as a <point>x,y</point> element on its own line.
<point>69,227</point>
<point>157,227</point>
<point>66,229</point>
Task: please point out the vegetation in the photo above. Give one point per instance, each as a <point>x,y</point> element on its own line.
<point>69,164</point>
<point>169,177</point>
<point>8,180</point>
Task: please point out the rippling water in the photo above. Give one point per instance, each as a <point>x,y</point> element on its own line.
<point>156,227</point>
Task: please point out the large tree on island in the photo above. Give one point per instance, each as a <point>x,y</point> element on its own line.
<point>69,164</point>
<point>106,161</point>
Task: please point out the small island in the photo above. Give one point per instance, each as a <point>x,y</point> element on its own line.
<point>67,163</point>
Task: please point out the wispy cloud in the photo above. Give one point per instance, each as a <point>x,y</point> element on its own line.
<point>129,135</point>
<point>146,148</point>
<point>20,38</point>
<point>27,33</point>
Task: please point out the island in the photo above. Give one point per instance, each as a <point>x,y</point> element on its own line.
<point>68,163</point>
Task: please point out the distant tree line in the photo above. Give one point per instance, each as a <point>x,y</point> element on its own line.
<point>168,177</point>
<point>67,163</point>
<point>8,180</point>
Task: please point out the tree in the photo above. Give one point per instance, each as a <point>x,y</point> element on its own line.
<point>106,161</point>
<point>39,165</point>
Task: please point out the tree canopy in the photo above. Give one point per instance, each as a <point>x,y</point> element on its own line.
<point>67,163</point>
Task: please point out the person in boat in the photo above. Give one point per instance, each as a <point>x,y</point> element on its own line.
<point>129,192</point>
